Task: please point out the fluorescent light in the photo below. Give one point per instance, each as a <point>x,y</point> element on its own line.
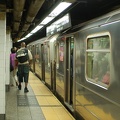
<point>46,20</point>
<point>28,35</point>
<point>60,8</point>
<point>36,29</point>
<point>21,39</point>
<point>64,18</point>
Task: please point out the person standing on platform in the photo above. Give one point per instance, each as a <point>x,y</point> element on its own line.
<point>24,58</point>
<point>13,80</point>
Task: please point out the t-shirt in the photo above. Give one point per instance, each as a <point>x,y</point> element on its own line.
<point>12,59</point>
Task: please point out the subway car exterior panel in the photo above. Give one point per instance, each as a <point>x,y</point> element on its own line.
<point>81,67</point>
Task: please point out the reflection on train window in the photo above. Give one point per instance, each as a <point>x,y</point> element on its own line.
<point>48,53</point>
<point>98,61</point>
<point>56,52</point>
<point>37,54</point>
<point>61,49</point>
<point>99,43</point>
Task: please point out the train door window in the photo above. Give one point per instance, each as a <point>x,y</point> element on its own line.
<point>57,54</point>
<point>37,53</point>
<point>48,51</point>
<point>98,60</point>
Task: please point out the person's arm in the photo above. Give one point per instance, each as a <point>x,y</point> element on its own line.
<point>30,57</point>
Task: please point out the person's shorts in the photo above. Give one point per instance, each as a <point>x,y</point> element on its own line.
<point>23,73</point>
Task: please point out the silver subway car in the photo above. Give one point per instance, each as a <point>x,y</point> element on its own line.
<point>81,67</point>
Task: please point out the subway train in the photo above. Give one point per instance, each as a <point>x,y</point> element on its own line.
<point>81,66</point>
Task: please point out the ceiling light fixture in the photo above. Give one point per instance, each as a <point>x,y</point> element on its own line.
<point>60,8</point>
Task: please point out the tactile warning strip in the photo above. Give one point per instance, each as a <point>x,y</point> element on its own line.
<point>23,100</point>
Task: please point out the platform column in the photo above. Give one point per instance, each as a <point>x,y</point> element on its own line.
<point>2,63</point>
<point>8,51</point>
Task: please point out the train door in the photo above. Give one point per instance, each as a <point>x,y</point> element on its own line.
<point>42,64</point>
<point>69,71</point>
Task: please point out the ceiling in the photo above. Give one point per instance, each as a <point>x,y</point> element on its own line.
<point>24,15</point>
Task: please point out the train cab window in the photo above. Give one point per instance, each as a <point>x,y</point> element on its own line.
<point>98,60</point>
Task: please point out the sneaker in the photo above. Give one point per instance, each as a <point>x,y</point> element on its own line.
<point>19,87</point>
<point>26,90</point>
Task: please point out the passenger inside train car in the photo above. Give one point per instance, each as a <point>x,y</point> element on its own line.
<point>99,59</point>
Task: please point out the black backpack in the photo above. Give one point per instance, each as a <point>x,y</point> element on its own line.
<point>22,55</point>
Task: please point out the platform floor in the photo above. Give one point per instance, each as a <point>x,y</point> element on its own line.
<point>38,104</point>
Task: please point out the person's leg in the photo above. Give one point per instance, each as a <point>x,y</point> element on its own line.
<point>20,76</point>
<point>26,89</point>
<point>26,84</point>
<point>16,80</point>
<point>20,79</point>
<point>15,77</point>
<point>26,75</point>
<point>11,79</point>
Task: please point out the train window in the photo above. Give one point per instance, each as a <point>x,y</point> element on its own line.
<point>99,43</point>
<point>48,51</point>
<point>61,50</point>
<point>37,53</point>
<point>57,54</point>
<point>98,60</point>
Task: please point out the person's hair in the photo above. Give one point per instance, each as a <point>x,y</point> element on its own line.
<point>13,50</point>
<point>23,44</point>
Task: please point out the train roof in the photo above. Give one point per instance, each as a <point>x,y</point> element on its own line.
<point>97,22</point>
<point>105,19</point>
